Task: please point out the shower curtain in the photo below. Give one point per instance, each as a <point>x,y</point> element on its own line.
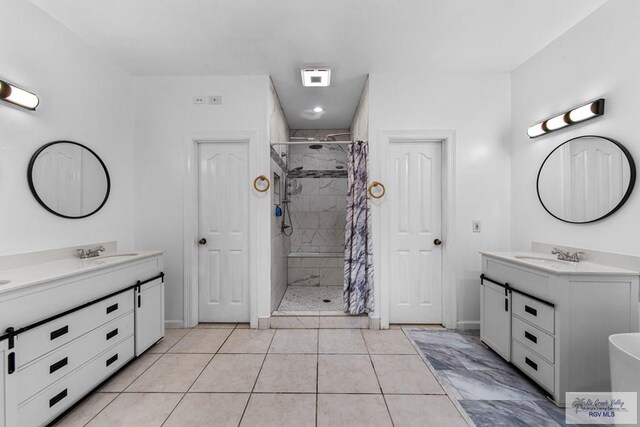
<point>358,266</point>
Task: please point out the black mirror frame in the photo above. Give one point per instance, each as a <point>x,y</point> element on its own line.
<point>35,193</point>
<point>632,179</point>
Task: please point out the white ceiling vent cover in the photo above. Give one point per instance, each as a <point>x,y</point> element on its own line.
<point>316,76</point>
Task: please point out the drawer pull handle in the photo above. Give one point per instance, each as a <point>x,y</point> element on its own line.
<point>531,363</point>
<point>58,397</point>
<point>532,311</point>
<point>112,359</point>
<point>59,332</point>
<point>112,334</point>
<point>531,337</point>
<point>59,364</point>
<point>112,308</point>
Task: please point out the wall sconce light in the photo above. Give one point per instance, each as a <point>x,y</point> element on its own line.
<point>18,96</point>
<point>572,117</point>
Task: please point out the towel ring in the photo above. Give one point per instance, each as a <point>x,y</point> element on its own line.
<point>377,184</point>
<point>261,178</point>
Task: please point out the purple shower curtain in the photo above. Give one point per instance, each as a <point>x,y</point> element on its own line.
<point>358,265</point>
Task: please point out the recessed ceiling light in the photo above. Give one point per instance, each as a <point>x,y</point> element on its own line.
<point>318,109</point>
<point>316,76</point>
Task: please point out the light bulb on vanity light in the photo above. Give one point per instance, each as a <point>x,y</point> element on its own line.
<point>558,122</point>
<point>318,109</point>
<point>18,96</point>
<point>577,115</point>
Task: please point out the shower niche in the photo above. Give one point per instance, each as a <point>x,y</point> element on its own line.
<point>313,201</point>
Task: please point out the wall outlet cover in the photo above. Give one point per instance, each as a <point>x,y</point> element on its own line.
<point>198,99</point>
<point>214,99</point>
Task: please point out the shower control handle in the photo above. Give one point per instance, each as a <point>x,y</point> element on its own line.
<point>202,241</point>
<point>437,242</point>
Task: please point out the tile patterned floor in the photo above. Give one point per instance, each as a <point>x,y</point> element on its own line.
<point>312,298</point>
<point>227,375</point>
<point>490,390</point>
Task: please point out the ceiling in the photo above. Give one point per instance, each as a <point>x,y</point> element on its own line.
<point>353,37</point>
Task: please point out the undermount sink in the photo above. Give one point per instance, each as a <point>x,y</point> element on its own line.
<point>542,260</point>
<point>4,282</point>
<point>114,256</point>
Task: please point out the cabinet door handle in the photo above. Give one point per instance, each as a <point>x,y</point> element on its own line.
<point>59,364</point>
<point>112,334</point>
<point>506,304</point>
<point>59,332</point>
<point>531,337</point>
<point>112,359</point>
<point>532,311</point>
<point>112,308</point>
<point>139,301</point>
<point>11,363</point>
<point>58,397</point>
<point>531,363</point>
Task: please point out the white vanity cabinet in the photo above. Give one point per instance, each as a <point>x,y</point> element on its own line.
<point>558,320</point>
<point>72,332</point>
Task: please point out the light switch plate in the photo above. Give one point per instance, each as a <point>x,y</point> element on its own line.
<point>475,226</point>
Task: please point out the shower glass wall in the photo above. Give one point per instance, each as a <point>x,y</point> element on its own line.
<point>314,215</point>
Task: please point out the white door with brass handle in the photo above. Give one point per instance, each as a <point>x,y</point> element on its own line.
<point>413,208</point>
<point>224,226</point>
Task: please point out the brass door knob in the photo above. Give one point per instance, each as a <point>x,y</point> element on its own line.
<point>202,241</point>
<point>437,242</point>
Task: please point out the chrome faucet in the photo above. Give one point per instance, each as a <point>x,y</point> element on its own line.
<point>90,253</point>
<point>566,255</point>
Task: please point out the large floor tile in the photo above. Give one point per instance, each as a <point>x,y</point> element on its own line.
<point>248,341</point>
<point>295,322</point>
<point>137,409</point>
<point>392,341</point>
<point>232,373</point>
<point>493,384</point>
<point>288,373</point>
<point>88,409</point>
<point>405,374</point>
<point>346,373</point>
<point>280,410</point>
<point>422,411</point>
<point>208,409</point>
<point>352,410</point>
<point>201,341</point>
<point>341,341</point>
<point>295,341</point>
<point>171,336</point>
<point>125,377</point>
<point>171,373</point>
<point>489,413</point>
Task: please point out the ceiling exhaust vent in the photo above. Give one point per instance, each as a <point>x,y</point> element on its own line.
<point>316,76</point>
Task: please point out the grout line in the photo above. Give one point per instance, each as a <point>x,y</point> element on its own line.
<point>244,411</point>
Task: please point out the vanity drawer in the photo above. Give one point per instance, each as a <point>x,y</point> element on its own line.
<point>35,376</point>
<point>41,340</point>
<point>533,338</point>
<point>51,402</point>
<point>533,365</point>
<point>523,280</point>
<point>535,312</point>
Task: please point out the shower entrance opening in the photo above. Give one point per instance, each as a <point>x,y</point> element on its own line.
<point>308,223</point>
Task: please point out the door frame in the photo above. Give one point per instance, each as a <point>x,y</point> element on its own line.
<point>381,227</point>
<point>191,223</point>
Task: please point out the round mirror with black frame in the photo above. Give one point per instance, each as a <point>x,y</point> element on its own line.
<point>68,179</point>
<point>586,179</point>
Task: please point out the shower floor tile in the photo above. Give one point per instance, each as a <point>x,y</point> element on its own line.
<point>312,298</point>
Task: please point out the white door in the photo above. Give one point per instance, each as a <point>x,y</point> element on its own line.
<point>414,224</point>
<point>149,314</point>
<point>495,319</point>
<point>224,232</point>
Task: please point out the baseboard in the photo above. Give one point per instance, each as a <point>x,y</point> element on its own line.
<point>466,325</point>
<point>173,324</point>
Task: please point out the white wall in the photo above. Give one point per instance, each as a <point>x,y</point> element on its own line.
<point>83,98</point>
<point>477,108</point>
<point>360,122</point>
<point>597,58</point>
<point>165,117</point>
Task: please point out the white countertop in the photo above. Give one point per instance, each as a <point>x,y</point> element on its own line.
<point>551,264</point>
<point>39,273</point>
